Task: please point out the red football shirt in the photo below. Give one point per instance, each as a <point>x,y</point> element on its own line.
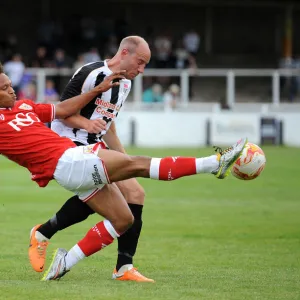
<point>26,140</point>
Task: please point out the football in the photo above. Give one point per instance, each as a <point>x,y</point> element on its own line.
<point>250,164</point>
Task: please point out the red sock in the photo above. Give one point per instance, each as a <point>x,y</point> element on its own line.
<point>98,237</point>
<point>170,168</point>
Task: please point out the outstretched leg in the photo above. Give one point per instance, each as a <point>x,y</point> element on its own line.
<point>120,167</point>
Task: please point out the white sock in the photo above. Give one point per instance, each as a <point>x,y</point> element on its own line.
<point>207,164</point>
<point>74,256</point>
<point>40,237</point>
<point>154,168</point>
<point>125,268</point>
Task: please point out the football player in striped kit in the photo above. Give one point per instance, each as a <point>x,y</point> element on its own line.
<point>94,123</point>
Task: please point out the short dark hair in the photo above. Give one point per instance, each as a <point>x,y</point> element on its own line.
<point>1,68</point>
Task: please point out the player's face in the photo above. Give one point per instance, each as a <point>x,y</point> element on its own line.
<point>7,93</point>
<point>135,63</point>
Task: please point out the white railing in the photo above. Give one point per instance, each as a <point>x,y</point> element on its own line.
<point>229,74</point>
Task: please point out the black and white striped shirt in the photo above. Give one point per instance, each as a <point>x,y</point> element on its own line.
<point>105,106</point>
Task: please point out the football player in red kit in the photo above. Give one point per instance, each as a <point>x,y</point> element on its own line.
<point>88,171</point>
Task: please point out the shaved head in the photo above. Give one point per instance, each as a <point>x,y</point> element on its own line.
<point>132,42</point>
<point>132,56</point>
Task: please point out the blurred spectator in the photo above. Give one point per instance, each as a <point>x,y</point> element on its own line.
<point>181,56</point>
<point>162,56</point>
<point>153,94</point>
<point>61,60</point>
<point>92,55</point>
<point>41,60</point>
<point>27,78</point>
<point>184,60</point>
<point>28,91</point>
<point>15,68</point>
<point>51,94</point>
<point>171,97</point>
<point>79,62</point>
<point>191,41</point>
<point>162,51</point>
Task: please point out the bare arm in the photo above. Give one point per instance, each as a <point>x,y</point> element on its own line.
<point>80,122</point>
<point>74,105</point>
<point>76,121</point>
<point>112,140</point>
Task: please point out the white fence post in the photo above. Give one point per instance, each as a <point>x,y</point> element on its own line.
<point>184,90</point>
<point>276,88</point>
<point>41,84</point>
<point>138,90</point>
<point>230,88</point>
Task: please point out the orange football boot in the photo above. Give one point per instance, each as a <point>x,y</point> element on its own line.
<point>37,251</point>
<point>131,275</point>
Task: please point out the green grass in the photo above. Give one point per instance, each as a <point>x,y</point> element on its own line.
<point>202,238</point>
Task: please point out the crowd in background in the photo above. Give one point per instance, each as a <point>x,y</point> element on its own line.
<point>89,46</point>
<point>72,48</point>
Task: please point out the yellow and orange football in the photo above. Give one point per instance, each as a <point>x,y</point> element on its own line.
<point>250,164</point>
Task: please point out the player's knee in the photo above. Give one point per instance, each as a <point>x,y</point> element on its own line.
<point>124,222</point>
<point>136,195</point>
<point>139,165</point>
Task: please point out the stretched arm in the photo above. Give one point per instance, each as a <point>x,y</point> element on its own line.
<point>91,126</point>
<point>112,140</point>
<point>74,105</point>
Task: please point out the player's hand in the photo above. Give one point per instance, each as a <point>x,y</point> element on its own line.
<point>95,126</point>
<point>108,83</point>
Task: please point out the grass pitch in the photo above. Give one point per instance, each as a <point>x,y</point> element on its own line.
<point>202,238</point>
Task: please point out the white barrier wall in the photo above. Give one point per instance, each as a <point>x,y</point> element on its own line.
<point>182,129</point>
<point>291,129</point>
<point>163,129</point>
<point>170,130</point>
<point>227,127</point>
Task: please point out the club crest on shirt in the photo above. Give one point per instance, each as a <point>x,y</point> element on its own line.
<point>125,88</point>
<point>88,149</point>
<point>2,118</point>
<point>25,106</point>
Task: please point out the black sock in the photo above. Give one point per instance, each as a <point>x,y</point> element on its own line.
<point>72,212</point>
<point>127,242</point>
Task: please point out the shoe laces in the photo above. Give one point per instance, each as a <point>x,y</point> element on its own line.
<point>221,150</point>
